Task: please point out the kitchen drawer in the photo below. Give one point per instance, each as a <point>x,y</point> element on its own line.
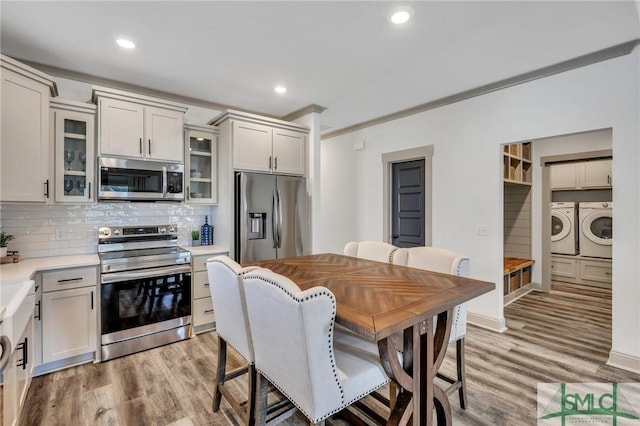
<point>564,267</point>
<point>69,278</point>
<point>593,270</point>
<point>201,285</point>
<point>199,262</point>
<point>202,311</point>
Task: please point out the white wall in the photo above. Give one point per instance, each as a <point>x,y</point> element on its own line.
<point>467,138</point>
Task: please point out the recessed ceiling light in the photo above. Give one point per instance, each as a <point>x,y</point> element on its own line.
<point>127,44</point>
<point>280,89</point>
<point>400,15</point>
<point>199,139</point>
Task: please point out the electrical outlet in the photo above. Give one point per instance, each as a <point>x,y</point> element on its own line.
<point>60,234</point>
<point>481,230</point>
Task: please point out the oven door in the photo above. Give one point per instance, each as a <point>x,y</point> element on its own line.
<point>141,302</point>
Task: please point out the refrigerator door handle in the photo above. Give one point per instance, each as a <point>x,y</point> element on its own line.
<point>274,219</point>
<point>279,220</point>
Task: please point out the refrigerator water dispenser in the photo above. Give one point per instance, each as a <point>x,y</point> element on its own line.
<point>257,226</point>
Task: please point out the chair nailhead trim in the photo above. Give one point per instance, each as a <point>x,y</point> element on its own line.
<point>332,412</point>
<point>391,255</point>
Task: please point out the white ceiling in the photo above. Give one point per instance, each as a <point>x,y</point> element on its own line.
<point>344,56</point>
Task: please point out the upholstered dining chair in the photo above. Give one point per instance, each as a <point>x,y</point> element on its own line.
<point>447,262</point>
<point>232,328</point>
<point>378,251</point>
<point>293,341</point>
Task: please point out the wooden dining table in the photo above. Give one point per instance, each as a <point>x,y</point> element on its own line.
<point>378,300</point>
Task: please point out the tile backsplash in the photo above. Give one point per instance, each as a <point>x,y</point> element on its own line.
<point>60,229</point>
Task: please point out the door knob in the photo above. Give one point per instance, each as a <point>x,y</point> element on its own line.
<point>394,236</point>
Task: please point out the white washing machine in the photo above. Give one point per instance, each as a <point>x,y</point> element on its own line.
<point>596,229</point>
<point>564,228</point>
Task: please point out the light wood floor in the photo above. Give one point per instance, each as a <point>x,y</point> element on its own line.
<point>563,336</point>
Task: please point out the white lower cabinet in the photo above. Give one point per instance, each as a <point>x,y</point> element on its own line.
<point>581,270</point>
<point>202,314</point>
<point>563,267</point>
<point>595,270</point>
<point>69,313</point>
<point>17,376</point>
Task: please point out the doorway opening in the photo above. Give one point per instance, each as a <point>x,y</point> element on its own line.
<point>407,197</point>
<point>585,158</point>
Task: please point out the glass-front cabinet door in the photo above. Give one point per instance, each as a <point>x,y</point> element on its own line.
<point>74,145</point>
<point>201,148</point>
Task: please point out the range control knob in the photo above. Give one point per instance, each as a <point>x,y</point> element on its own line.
<point>172,229</point>
<point>117,231</point>
<point>105,232</point>
<point>163,230</point>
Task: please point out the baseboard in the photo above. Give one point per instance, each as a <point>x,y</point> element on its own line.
<point>623,361</point>
<point>487,322</point>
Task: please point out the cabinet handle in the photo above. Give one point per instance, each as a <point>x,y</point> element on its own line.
<point>607,273</point>
<point>39,315</point>
<point>609,179</point>
<point>206,284</point>
<point>140,146</point>
<point>269,162</point>
<point>208,311</point>
<point>89,193</point>
<point>92,300</point>
<point>188,193</point>
<point>25,351</point>
<point>149,147</point>
<point>275,162</point>
<point>67,280</point>
<point>46,186</point>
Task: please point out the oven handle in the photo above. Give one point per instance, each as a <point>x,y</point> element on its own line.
<point>145,273</point>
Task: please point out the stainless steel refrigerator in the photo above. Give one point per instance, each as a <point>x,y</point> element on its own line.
<point>271,217</point>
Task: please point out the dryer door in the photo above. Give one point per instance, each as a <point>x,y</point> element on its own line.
<point>598,227</point>
<point>560,225</point>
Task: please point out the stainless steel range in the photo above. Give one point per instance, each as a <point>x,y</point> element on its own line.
<point>145,288</point>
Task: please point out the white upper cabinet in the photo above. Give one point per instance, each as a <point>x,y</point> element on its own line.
<point>25,150</point>
<point>252,147</point>
<point>288,151</point>
<point>201,164</point>
<point>262,144</point>
<point>597,174</point>
<point>73,134</point>
<point>593,174</point>
<point>563,176</point>
<point>137,126</point>
<point>121,125</point>
<point>163,128</point>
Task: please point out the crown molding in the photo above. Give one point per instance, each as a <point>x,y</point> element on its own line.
<point>578,62</point>
<point>303,111</point>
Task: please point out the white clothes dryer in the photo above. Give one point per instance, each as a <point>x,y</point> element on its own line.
<point>564,228</point>
<point>596,229</point>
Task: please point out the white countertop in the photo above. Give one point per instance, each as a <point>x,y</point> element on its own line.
<point>25,269</point>
<point>202,250</point>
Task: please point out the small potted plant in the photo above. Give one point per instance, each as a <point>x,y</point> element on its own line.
<point>195,237</point>
<point>4,239</point>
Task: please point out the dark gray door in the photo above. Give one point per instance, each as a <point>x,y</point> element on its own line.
<point>407,217</point>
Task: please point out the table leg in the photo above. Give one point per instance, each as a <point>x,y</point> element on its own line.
<point>423,373</point>
<point>424,349</point>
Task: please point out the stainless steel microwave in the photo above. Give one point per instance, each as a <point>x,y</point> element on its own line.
<point>139,180</point>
